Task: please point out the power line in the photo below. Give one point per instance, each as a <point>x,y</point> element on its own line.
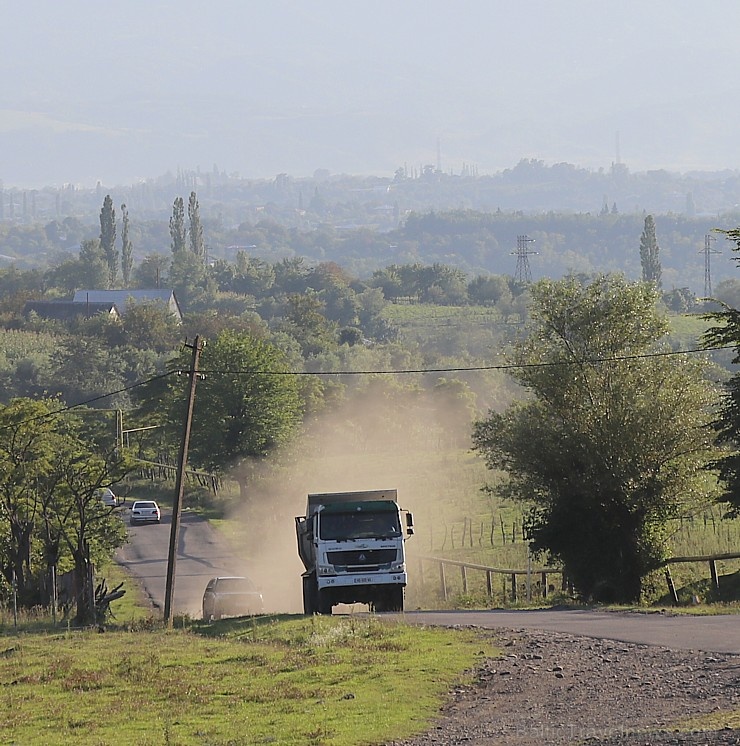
<point>69,407</point>
<point>474,368</point>
<point>397,372</point>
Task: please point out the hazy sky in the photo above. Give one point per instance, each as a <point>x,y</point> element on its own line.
<point>121,91</point>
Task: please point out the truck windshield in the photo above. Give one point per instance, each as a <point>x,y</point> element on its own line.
<point>357,525</point>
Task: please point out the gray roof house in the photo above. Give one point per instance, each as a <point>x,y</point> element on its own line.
<point>67,310</point>
<point>124,299</point>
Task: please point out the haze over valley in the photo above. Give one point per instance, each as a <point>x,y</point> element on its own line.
<point>103,93</point>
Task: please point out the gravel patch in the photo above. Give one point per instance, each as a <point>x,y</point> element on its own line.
<point>553,688</point>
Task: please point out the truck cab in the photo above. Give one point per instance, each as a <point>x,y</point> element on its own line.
<point>352,546</point>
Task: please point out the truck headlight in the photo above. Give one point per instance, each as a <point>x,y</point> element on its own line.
<point>325,570</point>
<point>398,566</point>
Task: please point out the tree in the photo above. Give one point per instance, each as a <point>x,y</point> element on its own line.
<point>178,234</point>
<point>188,278</point>
<point>151,273</point>
<point>27,441</point>
<point>649,254</point>
<point>50,470</point>
<point>612,441</point>
<point>726,332</point>
<point>127,258</point>
<point>83,524</point>
<point>108,239</point>
<point>197,246</point>
<point>308,324</point>
<point>246,406</point>
<point>151,326</point>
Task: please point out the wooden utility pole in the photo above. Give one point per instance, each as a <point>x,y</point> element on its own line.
<point>179,484</point>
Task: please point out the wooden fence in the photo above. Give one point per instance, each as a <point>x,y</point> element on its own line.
<point>541,575</point>
<point>492,530</point>
<point>712,559</point>
<point>534,577</point>
<point>168,471</point>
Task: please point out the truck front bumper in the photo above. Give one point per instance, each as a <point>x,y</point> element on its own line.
<point>362,579</point>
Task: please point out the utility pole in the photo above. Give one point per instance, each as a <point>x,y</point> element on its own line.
<point>708,251</point>
<point>179,484</point>
<point>523,275</point>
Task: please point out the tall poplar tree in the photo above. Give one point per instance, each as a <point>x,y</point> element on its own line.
<point>197,246</point>
<point>178,233</point>
<point>127,259</point>
<point>108,239</point>
<point>650,254</point>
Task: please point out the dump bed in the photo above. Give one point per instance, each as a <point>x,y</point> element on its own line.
<point>334,498</point>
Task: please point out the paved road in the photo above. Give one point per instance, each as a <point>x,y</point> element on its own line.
<point>719,634</point>
<point>203,554</point>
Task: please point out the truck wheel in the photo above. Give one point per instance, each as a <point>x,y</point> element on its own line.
<point>395,599</point>
<point>309,596</point>
<point>325,601</point>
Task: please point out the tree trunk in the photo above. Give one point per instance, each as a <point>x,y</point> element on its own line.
<point>84,585</point>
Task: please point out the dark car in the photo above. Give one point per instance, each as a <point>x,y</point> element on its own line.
<point>231,596</point>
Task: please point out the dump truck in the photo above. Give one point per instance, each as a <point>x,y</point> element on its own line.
<point>352,546</point>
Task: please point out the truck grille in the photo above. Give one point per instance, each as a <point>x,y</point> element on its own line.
<point>362,559</point>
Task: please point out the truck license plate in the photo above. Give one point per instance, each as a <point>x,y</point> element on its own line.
<point>363,580</point>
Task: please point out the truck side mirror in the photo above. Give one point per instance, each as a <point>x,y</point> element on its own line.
<point>409,524</point>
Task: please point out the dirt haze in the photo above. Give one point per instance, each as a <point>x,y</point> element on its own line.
<point>415,442</point>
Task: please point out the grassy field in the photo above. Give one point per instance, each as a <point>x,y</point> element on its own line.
<point>285,680</point>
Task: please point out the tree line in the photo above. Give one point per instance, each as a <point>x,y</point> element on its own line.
<point>616,437</point>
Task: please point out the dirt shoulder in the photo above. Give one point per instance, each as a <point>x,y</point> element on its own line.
<point>554,688</point>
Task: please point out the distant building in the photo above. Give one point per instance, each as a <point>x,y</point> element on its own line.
<point>124,299</point>
<point>67,310</point>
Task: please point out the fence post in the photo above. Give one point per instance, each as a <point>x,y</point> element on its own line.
<point>442,580</point>
<point>543,579</point>
<point>713,572</point>
<point>513,587</point>
<point>489,583</point>
<point>464,575</point>
<point>671,586</point>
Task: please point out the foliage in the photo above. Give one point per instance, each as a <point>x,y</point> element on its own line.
<point>127,249</point>
<point>611,443</point>
<point>108,239</point>
<point>726,331</point>
<point>178,232</point>
<point>650,253</point>
<point>50,470</point>
<point>246,405</point>
<point>310,327</point>
<point>195,233</point>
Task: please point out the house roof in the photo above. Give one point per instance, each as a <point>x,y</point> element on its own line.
<point>64,310</point>
<point>124,298</point>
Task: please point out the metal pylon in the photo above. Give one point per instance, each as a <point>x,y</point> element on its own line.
<point>708,251</point>
<point>522,274</point>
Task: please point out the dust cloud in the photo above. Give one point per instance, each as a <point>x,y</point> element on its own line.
<point>417,442</point>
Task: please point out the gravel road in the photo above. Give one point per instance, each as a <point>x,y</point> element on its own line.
<point>556,688</point>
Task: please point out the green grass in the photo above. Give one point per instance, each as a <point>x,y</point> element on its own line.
<point>287,680</point>
<point>132,607</point>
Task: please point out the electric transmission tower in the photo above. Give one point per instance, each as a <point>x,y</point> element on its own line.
<point>522,274</point>
<point>708,251</point>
